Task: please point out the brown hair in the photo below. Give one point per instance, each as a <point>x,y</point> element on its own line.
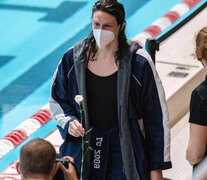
<point>201,44</point>
<point>37,157</point>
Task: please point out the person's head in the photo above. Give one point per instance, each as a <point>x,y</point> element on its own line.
<point>109,15</point>
<point>114,13</point>
<point>37,160</point>
<point>201,45</point>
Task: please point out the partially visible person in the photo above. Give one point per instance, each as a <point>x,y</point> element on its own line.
<point>196,150</point>
<point>38,162</point>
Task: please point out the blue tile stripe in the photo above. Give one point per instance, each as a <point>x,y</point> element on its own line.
<point>59,14</point>
<point>5,59</point>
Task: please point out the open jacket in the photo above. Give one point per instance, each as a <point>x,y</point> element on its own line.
<point>142,110</point>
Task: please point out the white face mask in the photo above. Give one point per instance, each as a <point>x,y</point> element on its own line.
<point>103,37</point>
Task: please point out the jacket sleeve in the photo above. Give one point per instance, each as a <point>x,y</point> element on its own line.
<point>155,114</point>
<point>60,102</point>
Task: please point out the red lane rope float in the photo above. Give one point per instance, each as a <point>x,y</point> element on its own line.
<point>191,3</point>
<point>16,137</point>
<point>46,111</point>
<point>12,139</point>
<point>172,16</point>
<point>153,30</point>
<point>21,133</point>
<point>43,116</point>
<point>24,130</point>
<point>39,118</point>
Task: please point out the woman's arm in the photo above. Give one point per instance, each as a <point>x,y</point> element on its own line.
<point>156,175</point>
<point>197,143</point>
<point>62,92</point>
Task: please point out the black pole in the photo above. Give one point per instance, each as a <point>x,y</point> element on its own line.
<point>152,45</point>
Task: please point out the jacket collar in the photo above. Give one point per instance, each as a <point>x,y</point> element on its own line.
<point>79,64</point>
<point>123,81</point>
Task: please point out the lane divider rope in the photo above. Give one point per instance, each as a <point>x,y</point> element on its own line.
<point>24,130</point>
<point>165,21</point>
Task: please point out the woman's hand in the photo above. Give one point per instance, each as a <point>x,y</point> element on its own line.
<point>70,173</point>
<point>76,129</point>
<point>156,175</point>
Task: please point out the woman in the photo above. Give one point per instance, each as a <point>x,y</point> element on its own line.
<point>124,102</point>
<point>196,150</point>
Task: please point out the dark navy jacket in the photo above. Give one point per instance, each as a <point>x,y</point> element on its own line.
<point>142,110</point>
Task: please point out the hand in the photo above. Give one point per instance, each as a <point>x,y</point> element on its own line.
<point>70,173</point>
<point>156,175</point>
<point>76,129</point>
